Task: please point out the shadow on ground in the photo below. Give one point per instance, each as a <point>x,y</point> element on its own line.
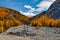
<point>22,34</point>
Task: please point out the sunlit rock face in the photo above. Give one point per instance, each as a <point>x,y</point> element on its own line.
<point>55,9</point>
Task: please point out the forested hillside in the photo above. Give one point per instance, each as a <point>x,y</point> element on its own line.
<point>46,21</point>
<point>10,17</point>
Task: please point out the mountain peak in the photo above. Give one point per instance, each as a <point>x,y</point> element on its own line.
<point>55,9</point>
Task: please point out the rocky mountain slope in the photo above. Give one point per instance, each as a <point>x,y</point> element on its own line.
<point>55,9</point>
<point>50,18</point>
<point>38,15</point>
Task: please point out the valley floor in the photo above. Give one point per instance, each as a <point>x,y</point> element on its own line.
<point>43,33</point>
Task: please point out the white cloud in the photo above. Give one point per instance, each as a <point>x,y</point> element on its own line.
<point>27,6</point>
<point>42,6</point>
<point>29,12</point>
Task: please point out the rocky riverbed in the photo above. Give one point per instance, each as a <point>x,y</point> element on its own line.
<point>26,32</point>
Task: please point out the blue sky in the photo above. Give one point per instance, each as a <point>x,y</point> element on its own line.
<point>27,7</point>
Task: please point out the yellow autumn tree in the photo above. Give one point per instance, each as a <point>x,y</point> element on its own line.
<point>1,26</point>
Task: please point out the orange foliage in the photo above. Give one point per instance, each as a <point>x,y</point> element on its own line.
<point>10,18</point>
<point>45,21</point>
<point>35,23</point>
<point>1,26</point>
